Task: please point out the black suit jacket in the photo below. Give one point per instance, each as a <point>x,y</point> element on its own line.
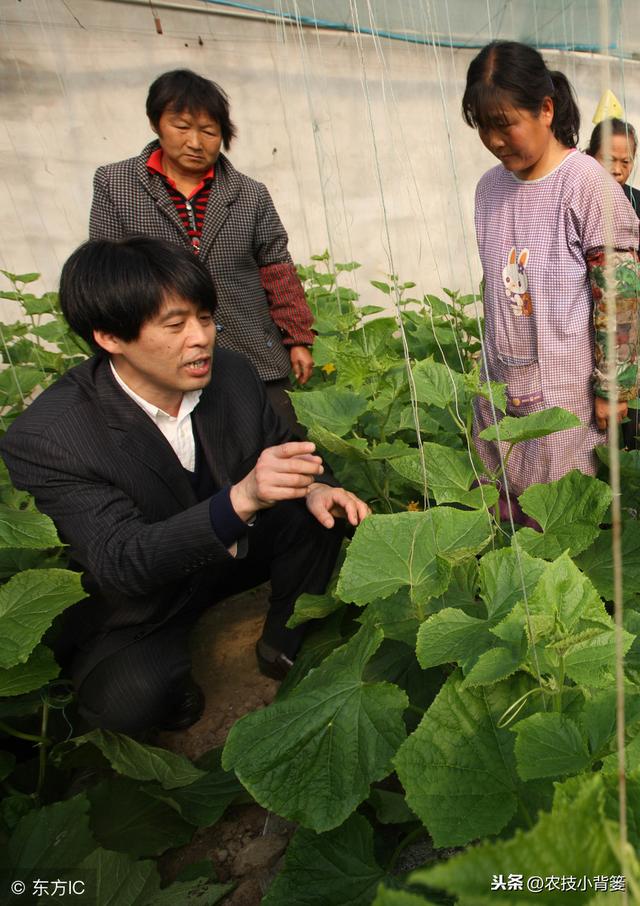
<point>99,467</point>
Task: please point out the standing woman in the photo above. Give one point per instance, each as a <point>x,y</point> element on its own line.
<point>619,162</point>
<point>541,238</point>
<point>183,189</point>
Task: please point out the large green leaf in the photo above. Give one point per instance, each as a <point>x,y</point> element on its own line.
<point>563,613</point>
<point>491,390</point>
<point>334,409</point>
<point>337,868</point>
<point>312,607</point>
<point>462,591</point>
<point>312,756</point>
<point>452,635</point>
<point>38,670</point>
<point>387,896</point>
<point>495,664</point>
<point>416,550</point>
<point>190,893</point>
<point>592,661</point>
<point>18,382</point>
<point>631,758</point>
<point>50,840</point>
<point>143,762</point>
<point>318,644</point>
<point>549,745</point>
<point>354,449</point>
<point>26,529</point>
<point>572,842</point>
<point>388,452</point>
<point>28,603</point>
<point>565,594</point>
<point>528,427</point>
<point>14,560</point>
<point>203,802</point>
<point>324,352</point>
<point>124,818</point>
<point>398,616</point>
<point>569,511</point>
<point>598,718</point>
<point>450,475</point>
<point>458,768</point>
<point>117,880</point>
<point>506,577</point>
<point>390,807</point>
<point>437,385</point>
<point>612,804</point>
<point>597,562</point>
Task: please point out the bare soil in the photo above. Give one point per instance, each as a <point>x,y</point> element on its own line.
<point>247,845</point>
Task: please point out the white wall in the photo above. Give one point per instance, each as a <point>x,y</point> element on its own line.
<point>361,144</point>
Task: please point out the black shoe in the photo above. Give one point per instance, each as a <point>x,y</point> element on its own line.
<point>187,709</point>
<point>272,662</point>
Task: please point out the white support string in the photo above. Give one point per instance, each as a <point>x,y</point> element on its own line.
<point>614,463</point>
<point>389,253</point>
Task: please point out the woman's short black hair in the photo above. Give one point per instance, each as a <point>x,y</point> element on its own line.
<point>507,73</point>
<point>117,285</point>
<point>616,127</point>
<point>183,90</point>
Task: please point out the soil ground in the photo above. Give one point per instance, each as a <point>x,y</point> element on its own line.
<point>247,845</point>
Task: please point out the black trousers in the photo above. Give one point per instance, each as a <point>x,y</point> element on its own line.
<point>138,686</point>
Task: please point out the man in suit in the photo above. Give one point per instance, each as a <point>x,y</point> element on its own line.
<point>173,482</point>
<point>183,189</point>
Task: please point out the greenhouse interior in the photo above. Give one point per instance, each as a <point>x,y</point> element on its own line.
<point>355,620</point>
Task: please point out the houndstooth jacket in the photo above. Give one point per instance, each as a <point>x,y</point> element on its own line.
<point>243,245</point>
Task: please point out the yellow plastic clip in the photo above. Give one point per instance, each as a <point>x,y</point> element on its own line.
<point>608,107</point>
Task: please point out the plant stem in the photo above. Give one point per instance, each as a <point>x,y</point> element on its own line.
<point>42,754</point>
<point>506,459</point>
<point>11,731</point>
<point>525,813</point>
<point>461,425</point>
<point>558,695</point>
<point>403,844</point>
<point>380,492</point>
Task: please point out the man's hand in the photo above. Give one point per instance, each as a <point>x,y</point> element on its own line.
<point>281,473</point>
<point>602,408</point>
<point>325,502</point>
<point>301,363</point>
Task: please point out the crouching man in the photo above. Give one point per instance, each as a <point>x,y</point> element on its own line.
<point>172,481</point>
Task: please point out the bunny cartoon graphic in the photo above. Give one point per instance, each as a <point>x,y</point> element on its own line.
<point>516,283</point>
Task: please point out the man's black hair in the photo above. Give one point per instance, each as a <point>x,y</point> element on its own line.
<point>116,286</point>
<point>183,90</point>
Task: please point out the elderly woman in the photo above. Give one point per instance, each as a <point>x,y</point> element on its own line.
<point>622,152</point>
<point>183,189</point>
<point>619,162</point>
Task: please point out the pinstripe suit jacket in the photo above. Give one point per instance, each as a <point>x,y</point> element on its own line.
<point>97,464</point>
<point>241,233</point>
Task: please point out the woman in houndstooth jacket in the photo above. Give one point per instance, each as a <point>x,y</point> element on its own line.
<point>182,189</point>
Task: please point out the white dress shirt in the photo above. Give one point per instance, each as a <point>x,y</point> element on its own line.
<point>176,428</point>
